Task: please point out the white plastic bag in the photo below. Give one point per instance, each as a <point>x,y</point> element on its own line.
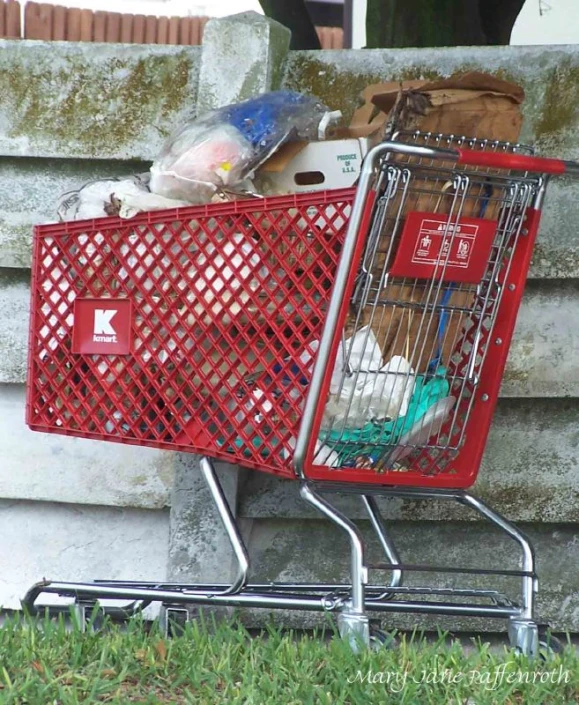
<point>362,388</point>
<point>386,394</point>
<point>323,454</point>
<point>132,200</point>
<point>216,157</point>
<point>117,196</point>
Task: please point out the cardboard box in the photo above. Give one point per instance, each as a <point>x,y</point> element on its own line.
<point>300,167</point>
<point>471,104</point>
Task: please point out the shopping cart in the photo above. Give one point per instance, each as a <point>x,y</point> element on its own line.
<point>352,340</point>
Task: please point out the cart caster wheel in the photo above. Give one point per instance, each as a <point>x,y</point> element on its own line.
<point>549,645</point>
<point>173,620</point>
<point>380,639</point>
<point>88,616</point>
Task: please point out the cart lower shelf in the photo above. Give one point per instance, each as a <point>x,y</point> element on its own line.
<point>350,602</point>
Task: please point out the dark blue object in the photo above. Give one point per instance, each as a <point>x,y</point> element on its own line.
<point>263,120</point>
<point>294,369</point>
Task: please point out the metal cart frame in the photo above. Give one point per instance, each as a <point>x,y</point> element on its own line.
<point>353,601</point>
<point>350,602</point>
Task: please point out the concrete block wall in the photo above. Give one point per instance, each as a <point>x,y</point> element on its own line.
<point>74,112</point>
<point>71,113</point>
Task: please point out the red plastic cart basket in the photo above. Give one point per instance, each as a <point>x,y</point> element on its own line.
<point>198,329</point>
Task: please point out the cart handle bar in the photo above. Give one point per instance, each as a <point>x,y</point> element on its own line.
<point>518,162</point>
<point>494,160</point>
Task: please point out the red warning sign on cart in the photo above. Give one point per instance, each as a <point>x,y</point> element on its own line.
<point>434,246</point>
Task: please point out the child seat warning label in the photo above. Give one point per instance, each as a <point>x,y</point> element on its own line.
<point>434,247</point>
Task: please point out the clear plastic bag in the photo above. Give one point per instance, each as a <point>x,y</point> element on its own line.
<point>222,148</point>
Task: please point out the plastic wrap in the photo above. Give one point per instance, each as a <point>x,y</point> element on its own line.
<point>123,196</point>
<point>222,148</point>
<point>373,395</point>
<point>427,410</point>
<point>371,404</point>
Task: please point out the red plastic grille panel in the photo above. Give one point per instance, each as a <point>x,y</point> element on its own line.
<point>225,300</point>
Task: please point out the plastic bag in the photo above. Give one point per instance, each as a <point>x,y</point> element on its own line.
<point>362,389</point>
<point>367,389</point>
<point>116,196</point>
<point>323,454</point>
<point>427,411</point>
<point>222,148</point>
<point>373,395</point>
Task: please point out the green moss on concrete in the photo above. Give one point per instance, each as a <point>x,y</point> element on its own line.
<point>560,108</point>
<point>10,277</point>
<point>95,108</point>
<point>16,248</point>
<point>552,113</point>
<point>340,89</point>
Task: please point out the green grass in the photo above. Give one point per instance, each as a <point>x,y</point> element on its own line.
<point>46,663</point>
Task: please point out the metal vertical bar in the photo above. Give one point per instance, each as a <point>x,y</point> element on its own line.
<point>347,24</point>
<point>333,312</point>
<point>226,515</point>
<point>359,572</point>
<point>528,581</point>
<point>385,541</point>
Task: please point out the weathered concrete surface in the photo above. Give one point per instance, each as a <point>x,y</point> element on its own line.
<point>29,189</point>
<point>243,55</point>
<point>199,548</point>
<point>549,75</point>
<point>315,551</point>
<point>556,254</point>
<point>14,314</point>
<point>70,542</point>
<point>529,473</point>
<point>93,101</point>
<point>40,466</point>
<point>544,355</point>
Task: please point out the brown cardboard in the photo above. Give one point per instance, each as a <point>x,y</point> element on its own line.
<point>471,105</point>
<point>278,161</point>
<point>357,128</point>
<point>477,97</point>
<point>456,89</point>
<point>369,118</point>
